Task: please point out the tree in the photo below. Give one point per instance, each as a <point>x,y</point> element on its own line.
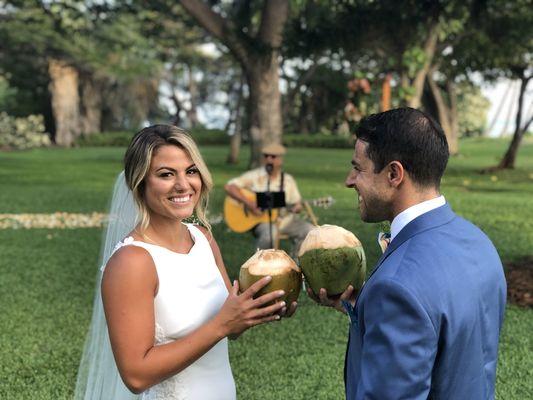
<point>257,53</point>
<point>71,53</point>
<point>499,45</point>
<point>521,127</point>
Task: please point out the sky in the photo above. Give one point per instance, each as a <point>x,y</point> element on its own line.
<point>504,94</point>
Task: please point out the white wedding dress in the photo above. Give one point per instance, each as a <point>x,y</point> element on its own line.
<point>191,291</point>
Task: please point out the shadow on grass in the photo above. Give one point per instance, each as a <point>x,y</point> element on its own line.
<point>519,275</point>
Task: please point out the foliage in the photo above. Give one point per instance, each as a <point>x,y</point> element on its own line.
<point>48,300</point>
<point>102,42</point>
<point>7,94</point>
<point>22,133</point>
<point>499,42</point>
<point>105,139</point>
<point>472,110</point>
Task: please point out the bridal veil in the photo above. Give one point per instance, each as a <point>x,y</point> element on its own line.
<point>98,377</point>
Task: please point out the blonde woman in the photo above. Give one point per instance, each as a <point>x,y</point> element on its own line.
<point>168,301</point>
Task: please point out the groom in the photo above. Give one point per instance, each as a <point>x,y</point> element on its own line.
<point>427,322</point>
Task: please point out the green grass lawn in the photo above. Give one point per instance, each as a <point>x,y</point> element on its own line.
<point>48,276</point>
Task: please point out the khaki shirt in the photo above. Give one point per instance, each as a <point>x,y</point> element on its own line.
<point>256,180</point>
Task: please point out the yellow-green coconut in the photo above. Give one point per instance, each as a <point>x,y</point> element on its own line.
<point>286,275</point>
<point>332,258</point>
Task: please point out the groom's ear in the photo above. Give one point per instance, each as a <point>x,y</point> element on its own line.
<point>395,173</point>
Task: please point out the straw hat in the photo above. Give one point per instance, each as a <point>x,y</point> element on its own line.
<point>274,149</point>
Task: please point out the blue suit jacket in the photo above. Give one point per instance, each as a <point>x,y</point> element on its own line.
<point>426,323</point>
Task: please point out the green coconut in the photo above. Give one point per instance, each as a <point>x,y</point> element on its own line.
<point>332,258</point>
<point>286,275</point>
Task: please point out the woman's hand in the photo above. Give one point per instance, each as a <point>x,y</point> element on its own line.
<point>240,312</point>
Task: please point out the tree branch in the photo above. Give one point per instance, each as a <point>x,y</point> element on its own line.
<point>218,27</point>
<point>430,47</point>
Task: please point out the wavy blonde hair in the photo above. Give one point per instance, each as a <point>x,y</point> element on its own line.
<point>137,164</point>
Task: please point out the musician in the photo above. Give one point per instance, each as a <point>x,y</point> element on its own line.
<point>271,177</point>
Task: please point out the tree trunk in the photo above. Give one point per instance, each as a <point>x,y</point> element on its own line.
<point>454,117</point>
<point>508,160</point>
<point>192,114</point>
<point>386,93</point>
<point>176,120</point>
<point>65,101</point>
<point>405,85</point>
<point>265,102</point>
<point>303,126</point>
<point>429,50</point>
<point>258,57</point>
<point>446,116</point>
<point>236,138</point>
<point>91,106</point>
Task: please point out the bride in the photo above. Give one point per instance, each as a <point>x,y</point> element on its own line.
<point>168,302</point>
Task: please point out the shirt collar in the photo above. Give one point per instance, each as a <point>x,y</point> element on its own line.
<point>406,216</point>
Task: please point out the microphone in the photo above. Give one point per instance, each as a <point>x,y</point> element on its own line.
<point>269,168</point>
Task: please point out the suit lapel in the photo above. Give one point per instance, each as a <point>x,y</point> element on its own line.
<point>436,217</point>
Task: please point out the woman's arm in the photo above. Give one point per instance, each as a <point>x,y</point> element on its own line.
<point>129,286</point>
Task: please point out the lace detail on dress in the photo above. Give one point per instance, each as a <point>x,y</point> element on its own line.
<point>174,387</point>
<point>123,243</point>
<point>160,337</point>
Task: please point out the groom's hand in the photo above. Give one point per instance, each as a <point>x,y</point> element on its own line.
<point>333,301</point>
<point>288,312</point>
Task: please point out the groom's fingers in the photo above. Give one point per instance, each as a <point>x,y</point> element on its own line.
<point>324,299</point>
<point>291,310</point>
<point>347,294</point>
<point>312,295</point>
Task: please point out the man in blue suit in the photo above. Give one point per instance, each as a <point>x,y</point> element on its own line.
<point>426,324</point>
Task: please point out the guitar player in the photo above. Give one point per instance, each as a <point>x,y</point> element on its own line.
<point>271,177</point>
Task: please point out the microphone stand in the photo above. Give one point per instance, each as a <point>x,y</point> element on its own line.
<point>269,168</point>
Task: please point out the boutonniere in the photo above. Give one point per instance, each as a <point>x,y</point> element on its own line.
<point>384,236</point>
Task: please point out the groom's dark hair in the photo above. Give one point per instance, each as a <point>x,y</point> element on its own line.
<point>409,136</point>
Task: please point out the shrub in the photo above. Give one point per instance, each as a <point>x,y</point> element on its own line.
<point>318,140</point>
<point>22,133</point>
<point>105,139</point>
<point>202,136</point>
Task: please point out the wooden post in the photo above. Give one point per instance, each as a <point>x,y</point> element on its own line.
<point>386,93</point>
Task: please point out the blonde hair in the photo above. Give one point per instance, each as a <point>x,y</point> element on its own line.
<point>137,164</point>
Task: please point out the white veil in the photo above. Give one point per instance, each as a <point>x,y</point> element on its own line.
<point>98,377</point>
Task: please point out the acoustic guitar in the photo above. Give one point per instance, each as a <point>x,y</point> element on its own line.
<point>239,219</point>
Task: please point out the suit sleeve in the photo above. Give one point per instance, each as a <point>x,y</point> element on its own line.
<point>399,345</point>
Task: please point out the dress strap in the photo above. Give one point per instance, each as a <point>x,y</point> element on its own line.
<point>126,242</point>
<point>195,232</point>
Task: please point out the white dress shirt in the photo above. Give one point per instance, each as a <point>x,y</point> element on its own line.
<point>406,216</point>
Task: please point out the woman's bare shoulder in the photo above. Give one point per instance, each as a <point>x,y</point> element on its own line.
<point>130,262</point>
